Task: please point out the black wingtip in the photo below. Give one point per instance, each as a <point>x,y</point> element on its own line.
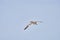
<point>26,27</point>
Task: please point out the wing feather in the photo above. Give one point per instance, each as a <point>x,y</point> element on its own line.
<point>27,26</point>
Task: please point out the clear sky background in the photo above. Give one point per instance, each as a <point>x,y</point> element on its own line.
<point>16,14</point>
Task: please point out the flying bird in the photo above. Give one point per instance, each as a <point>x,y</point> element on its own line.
<point>32,23</point>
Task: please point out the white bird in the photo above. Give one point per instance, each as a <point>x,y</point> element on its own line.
<point>32,23</point>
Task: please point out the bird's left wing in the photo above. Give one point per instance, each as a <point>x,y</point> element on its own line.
<point>27,26</point>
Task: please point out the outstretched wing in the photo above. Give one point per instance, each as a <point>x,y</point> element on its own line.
<point>32,22</point>
<point>27,26</point>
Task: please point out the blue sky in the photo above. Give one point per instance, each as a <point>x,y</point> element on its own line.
<point>16,14</point>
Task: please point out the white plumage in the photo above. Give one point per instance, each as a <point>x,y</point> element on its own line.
<point>32,23</point>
